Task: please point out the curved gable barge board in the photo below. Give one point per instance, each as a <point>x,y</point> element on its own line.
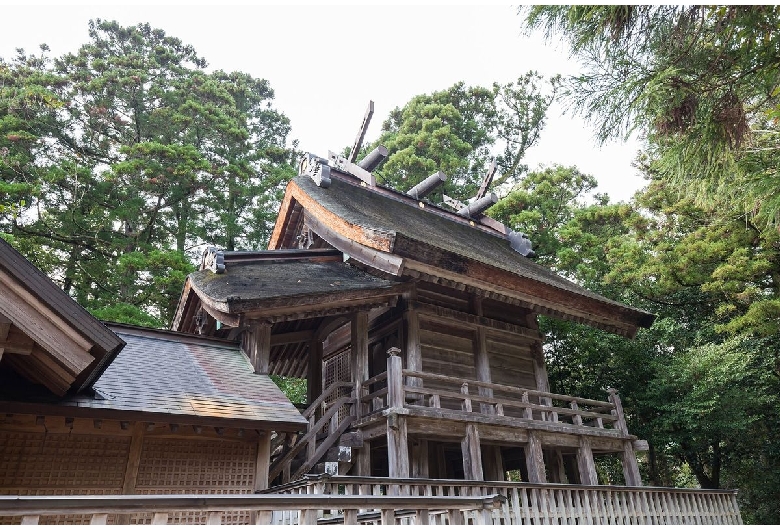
<point>377,259</point>
<point>374,238</point>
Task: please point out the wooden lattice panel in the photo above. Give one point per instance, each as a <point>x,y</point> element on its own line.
<point>337,368</point>
<point>61,464</point>
<point>171,465</point>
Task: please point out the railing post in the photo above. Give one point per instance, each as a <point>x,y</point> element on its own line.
<point>630,465</point>
<point>617,412</point>
<point>395,381</point>
<point>576,418</point>
<point>464,389</point>
<point>528,412</point>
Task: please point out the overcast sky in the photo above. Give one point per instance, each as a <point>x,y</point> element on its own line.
<point>326,62</point>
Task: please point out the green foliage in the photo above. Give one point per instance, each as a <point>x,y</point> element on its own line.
<point>699,81</point>
<point>120,160</point>
<point>459,129</point>
<point>293,388</point>
<point>541,204</point>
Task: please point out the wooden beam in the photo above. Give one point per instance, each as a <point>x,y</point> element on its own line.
<point>356,145</point>
<point>13,340</point>
<point>380,259</point>
<point>539,296</point>
<point>293,337</point>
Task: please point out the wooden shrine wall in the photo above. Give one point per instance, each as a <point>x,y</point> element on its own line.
<point>49,459</point>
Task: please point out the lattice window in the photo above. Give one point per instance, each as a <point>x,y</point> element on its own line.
<point>337,368</point>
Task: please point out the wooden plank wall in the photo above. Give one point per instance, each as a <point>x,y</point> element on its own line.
<point>449,348</point>
<point>511,362</point>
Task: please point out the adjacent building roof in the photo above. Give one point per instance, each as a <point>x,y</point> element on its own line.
<point>44,334</point>
<point>177,378</point>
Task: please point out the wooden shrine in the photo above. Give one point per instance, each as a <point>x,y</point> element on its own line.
<point>415,328</point>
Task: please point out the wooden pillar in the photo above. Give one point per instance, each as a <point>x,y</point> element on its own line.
<point>630,465</point>
<point>263,461</point>
<point>262,467</point>
<point>420,465</point>
<point>472,453</point>
<point>494,463</point>
<point>586,464</point>
<point>397,437</point>
<point>413,350</point>
<point>363,464</point>
<point>359,348</point>
<point>257,346</point>
<point>481,358</point>
<point>133,463</point>
<point>314,374</point>
<point>534,459</point>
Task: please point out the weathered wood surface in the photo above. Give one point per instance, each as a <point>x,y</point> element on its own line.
<point>557,503</point>
<point>269,506</point>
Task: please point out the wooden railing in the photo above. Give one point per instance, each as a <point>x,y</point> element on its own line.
<point>550,503</point>
<point>267,509</point>
<point>465,395</point>
<point>320,420</point>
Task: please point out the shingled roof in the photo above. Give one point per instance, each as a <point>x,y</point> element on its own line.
<point>246,285</point>
<point>418,239</point>
<point>172,377</point>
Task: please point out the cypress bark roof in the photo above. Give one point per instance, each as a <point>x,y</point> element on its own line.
<point>431,241</point>
<point>245,285</point>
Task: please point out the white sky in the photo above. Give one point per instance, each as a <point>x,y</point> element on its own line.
<point>326,62</point>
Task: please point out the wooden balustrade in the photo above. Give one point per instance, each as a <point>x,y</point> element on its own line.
<point>279,508</point>
<point>522,403</point>
<point>554,503</point>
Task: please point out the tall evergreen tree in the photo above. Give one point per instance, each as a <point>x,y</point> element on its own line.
<point>136,156</point>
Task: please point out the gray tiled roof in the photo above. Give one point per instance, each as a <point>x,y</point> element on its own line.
<point>166,373</point>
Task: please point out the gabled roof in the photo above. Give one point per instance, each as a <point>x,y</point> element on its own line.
<point>44,334</point>
<point>176,378</point>
<point>402,236</point>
